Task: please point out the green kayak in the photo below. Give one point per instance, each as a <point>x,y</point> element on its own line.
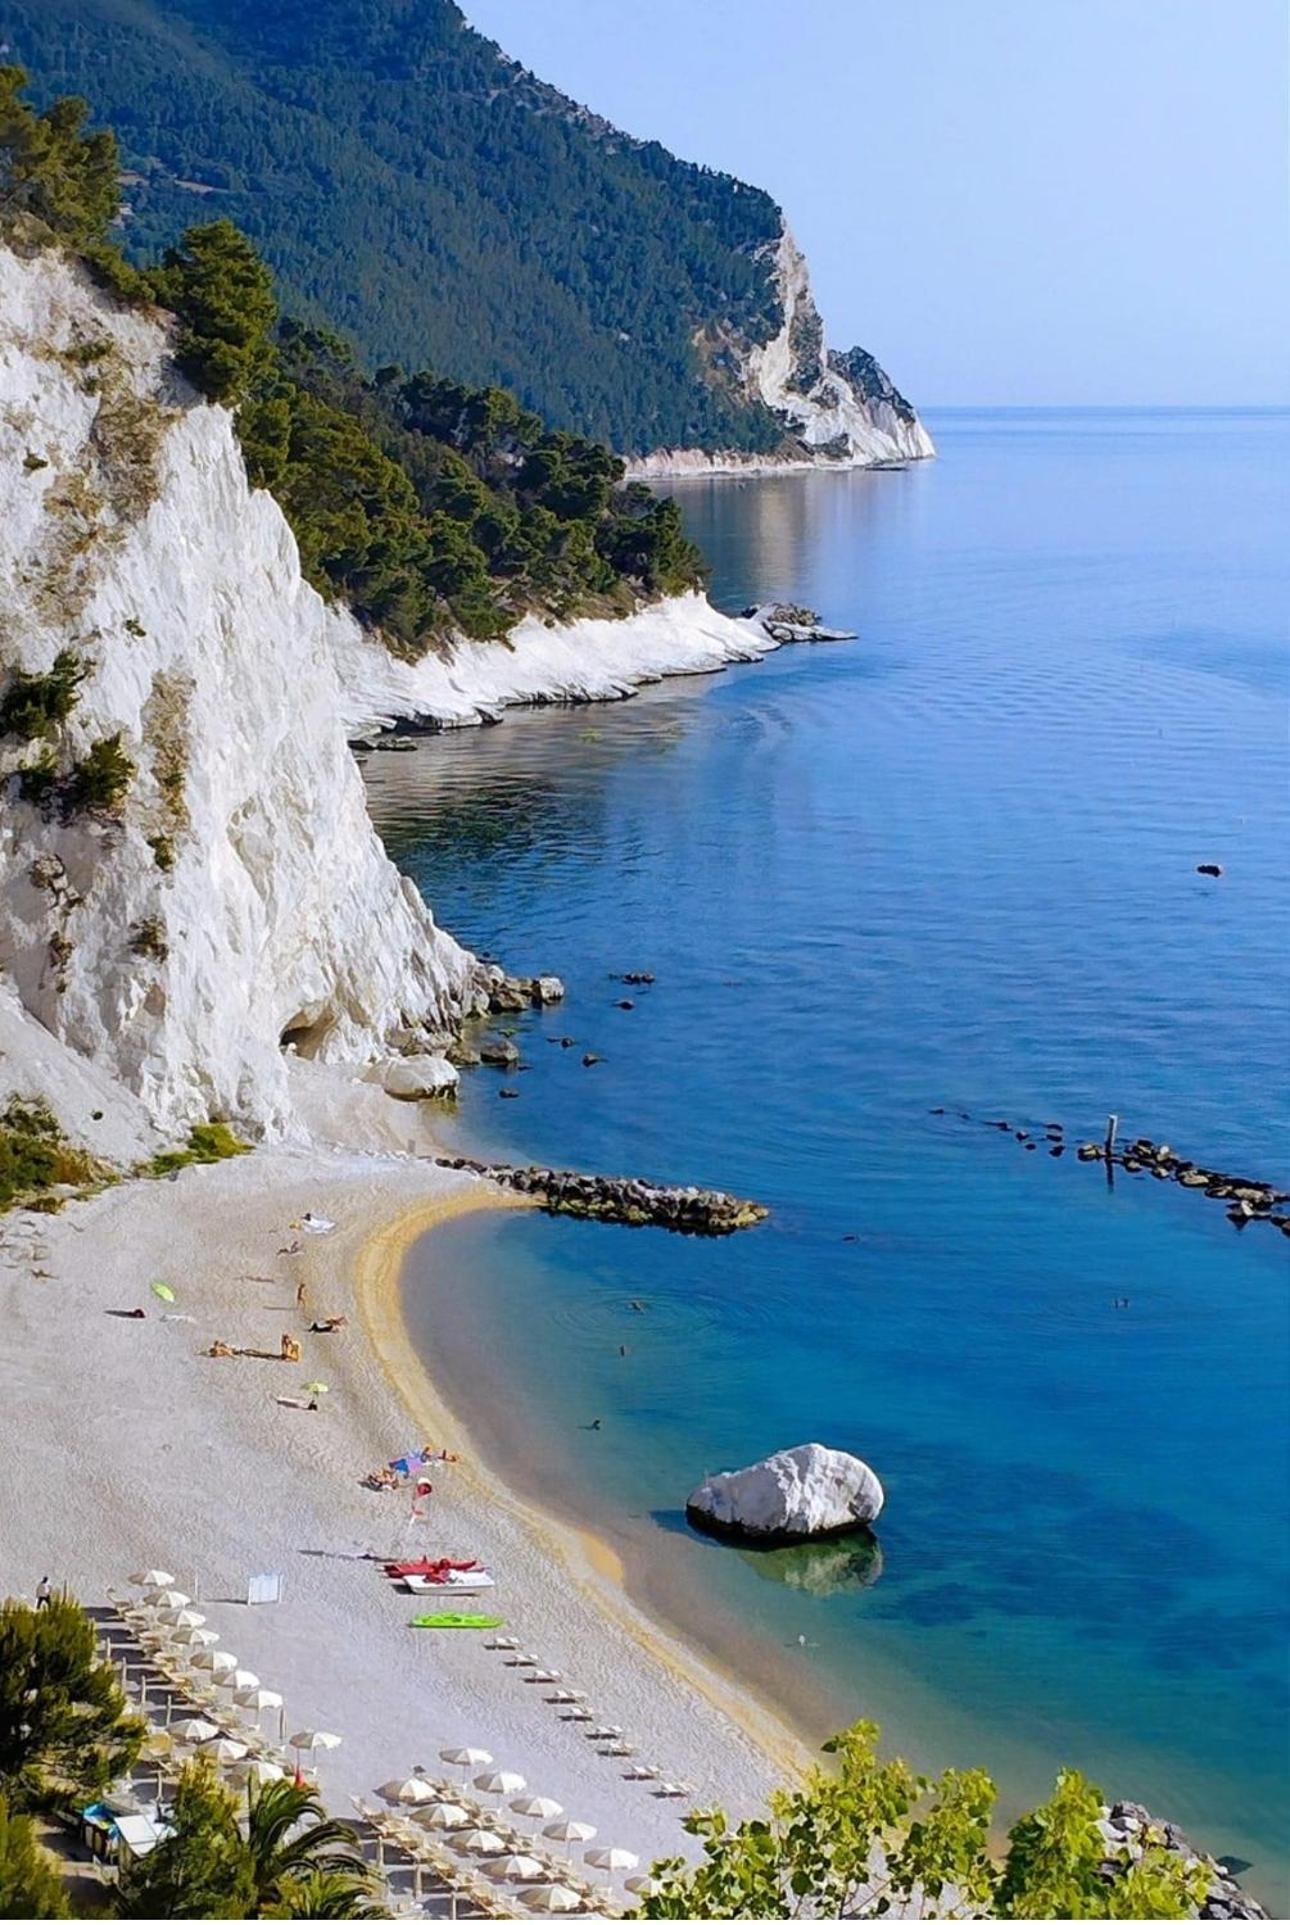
<point>455,1621</point>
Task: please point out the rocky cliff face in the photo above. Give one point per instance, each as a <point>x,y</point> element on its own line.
<point>837,410</point>
<point>189,879</point>
<point>188,874</point>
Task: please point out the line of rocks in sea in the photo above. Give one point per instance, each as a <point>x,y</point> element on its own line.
<point>621,1199</point>
<point>1249,1199</point>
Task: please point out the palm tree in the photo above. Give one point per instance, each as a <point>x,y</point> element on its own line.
<point>327,1894</point>
<point>293,1843</point>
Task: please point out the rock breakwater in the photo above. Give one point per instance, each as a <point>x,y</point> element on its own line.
<point>688,1209</point>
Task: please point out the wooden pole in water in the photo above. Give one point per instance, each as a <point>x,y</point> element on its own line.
<point>1112,1125</point>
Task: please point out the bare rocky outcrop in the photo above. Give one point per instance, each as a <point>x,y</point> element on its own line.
<point>838,410</point>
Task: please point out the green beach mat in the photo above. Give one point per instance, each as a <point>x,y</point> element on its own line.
<point>455,1621</point>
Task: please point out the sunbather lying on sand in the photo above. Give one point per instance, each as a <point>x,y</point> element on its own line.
<point>329,1323</point>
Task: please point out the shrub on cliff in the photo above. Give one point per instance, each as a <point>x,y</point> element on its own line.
<point>871,1838</point>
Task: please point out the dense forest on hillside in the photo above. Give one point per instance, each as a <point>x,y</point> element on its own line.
<point>412,186</point>
<point>428,506</point>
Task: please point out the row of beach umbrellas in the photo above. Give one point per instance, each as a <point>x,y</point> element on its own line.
<point>186,1629</point>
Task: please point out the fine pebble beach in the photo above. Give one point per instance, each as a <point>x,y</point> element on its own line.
<point>165,1455</point>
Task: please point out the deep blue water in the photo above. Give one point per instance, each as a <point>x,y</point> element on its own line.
<point>950,864</point>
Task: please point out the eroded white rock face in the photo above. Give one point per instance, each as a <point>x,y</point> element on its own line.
<point>836,421</point>
<point>592,660</point>
<point>242,893</point>
<point>809,1491</point>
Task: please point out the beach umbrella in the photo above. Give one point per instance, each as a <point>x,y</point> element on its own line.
<point>515,1865</point>
<point>164,1291</point>
<point>153,1580</point>
<point>553,1898</point>
<point>570,1831</point>
<point>314,1741</point>
<point>239,1681</point>
<point>184,1620</point>
<point>254,1697</point>
<point>534,1807</point>
<point>643,1885</point>
<point>197,1635</point>
<point>259,1771</point>
<point>612,1858</point>
<point>467,1755</point>
<point>194,1730</point>
<point>481,1841</point>
<point>409,1791</point>
<point>442,1816</point>
<point>215,1661</point>
<point>225,1751</point>
<point>500,1783</point>
<point>163,1599</point>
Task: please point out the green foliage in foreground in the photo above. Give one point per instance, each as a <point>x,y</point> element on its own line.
<point>207,1143</point>
<point>64,1729</point>
<point>872,1837</point>
<point>289,1860</point>
<point>30,1886</point>
<point>35,1155</point>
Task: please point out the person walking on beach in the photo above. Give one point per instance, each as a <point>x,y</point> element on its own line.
<point>300,1294</point>
<point>43,1595</point>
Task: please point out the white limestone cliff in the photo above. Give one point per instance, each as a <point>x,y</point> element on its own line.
<point>838,410</point>
<point>240,893</point>
<point>238,897</point>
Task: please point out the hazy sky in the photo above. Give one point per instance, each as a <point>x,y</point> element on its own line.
<point>1021,201</point>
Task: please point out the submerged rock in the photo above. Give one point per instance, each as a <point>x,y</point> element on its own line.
<point>809,1491</point>
<point>500,1052</point>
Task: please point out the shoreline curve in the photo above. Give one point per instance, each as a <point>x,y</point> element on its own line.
<point>588,1561</point>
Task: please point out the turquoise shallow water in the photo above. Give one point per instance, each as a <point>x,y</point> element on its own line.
<point>949,864</point>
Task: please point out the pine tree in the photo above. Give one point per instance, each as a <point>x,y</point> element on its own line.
<point>63,1722</point>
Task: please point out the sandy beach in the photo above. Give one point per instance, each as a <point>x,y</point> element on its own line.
<point>127,1446</point>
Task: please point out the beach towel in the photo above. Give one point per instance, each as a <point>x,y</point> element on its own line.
<point>455,1621</point>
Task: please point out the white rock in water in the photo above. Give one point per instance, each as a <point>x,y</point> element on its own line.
<point>548,989</point>
<point>809,1491</point>
<point>412,1077</point>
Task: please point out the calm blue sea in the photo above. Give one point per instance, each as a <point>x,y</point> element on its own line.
<point>950,864</point>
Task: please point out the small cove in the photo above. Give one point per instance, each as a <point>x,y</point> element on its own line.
<point>951,864</point>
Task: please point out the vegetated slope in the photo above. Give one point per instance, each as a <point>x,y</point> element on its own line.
<point>418,189</point>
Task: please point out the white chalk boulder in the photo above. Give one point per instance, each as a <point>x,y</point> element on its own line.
<point>809,1491</point>
<point>411,1078</point>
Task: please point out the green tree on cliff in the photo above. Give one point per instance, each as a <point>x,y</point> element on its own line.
<point>51,169</point>
<point>222,293</point>
<point>64,1728</point>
